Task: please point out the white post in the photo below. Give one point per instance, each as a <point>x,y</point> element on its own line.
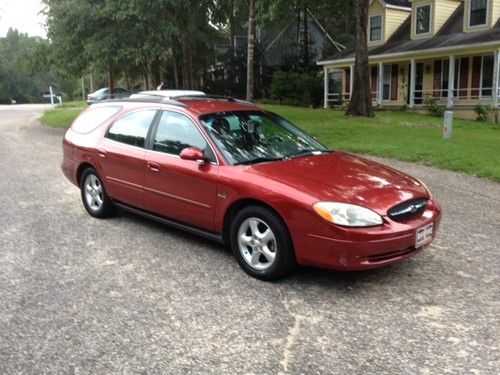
<point>83,88</point>
<point>451,81</point>
<point>380,97</point>
<point>411,103</point>
<point>326,88</point>
<point>51,95</point>
<point>496,74</point>
<point>351,82</point>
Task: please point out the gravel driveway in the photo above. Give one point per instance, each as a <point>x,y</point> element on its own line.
<point>126,295</point>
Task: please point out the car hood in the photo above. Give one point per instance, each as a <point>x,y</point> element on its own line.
<point>341,177</point>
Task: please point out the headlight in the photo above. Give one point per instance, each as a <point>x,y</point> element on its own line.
<point>348,215</point>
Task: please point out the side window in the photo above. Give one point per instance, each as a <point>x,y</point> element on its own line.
<point>176,132</point>
<point>132,129</point>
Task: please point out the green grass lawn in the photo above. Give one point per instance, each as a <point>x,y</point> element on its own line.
<point>62,117</point>
<point>473,149</point>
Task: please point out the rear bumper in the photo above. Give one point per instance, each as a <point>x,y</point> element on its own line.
<point>360,248</point>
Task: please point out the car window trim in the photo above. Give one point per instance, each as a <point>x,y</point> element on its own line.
<point>155,125</point>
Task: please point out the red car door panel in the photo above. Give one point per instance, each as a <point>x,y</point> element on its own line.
<point>183,190</point>
<point>123,172</point>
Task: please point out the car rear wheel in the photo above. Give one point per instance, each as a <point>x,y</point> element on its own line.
<point>261,243</point>
<point>94,197</point>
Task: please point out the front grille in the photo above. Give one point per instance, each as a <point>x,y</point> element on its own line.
<point>408,209</point>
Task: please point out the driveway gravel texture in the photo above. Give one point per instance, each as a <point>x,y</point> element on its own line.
<point>126,295</point>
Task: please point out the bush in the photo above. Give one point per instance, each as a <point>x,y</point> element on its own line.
<point>433,107</point>
<point>482,111</point>
<point>303,89</point>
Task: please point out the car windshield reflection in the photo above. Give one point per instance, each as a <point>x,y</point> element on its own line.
<point>248,137</point>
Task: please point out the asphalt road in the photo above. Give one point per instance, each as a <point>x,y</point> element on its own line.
<point>126,295</point>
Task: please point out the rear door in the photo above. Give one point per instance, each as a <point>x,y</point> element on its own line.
<point>122,155</point>
<point>183,190</point>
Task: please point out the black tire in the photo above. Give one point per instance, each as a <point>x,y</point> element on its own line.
<point>107,208</point>
<point>284,255</point>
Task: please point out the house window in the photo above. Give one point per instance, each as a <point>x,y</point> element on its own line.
<point>423,19</point>
<point>478,11</point>
<point>387,82</point>
<point>375,28</point>
<point>487,75</point>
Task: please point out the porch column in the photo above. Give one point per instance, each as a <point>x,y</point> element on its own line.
<point>451,81</point>
<point>351,70</point>
<point>496,74</point>
<point>326,88</point>
<point>411,103</point>
<point>380,96</point>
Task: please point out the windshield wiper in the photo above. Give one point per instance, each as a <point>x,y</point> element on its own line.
<point>304,152</point>
<point>257,160</point>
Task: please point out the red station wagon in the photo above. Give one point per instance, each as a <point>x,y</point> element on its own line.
<point>232,172</point>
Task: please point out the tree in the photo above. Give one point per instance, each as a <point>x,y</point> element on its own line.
<point>250,49</point>
<point>361,101</point>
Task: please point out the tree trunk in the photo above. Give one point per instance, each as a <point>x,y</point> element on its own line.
<point>185,68</point>
<point>175,68</point>
<point>361,101</point>
<point>111,79</point>
<point>232,68</point>
<point>306,37</point>
<point>250,48</point>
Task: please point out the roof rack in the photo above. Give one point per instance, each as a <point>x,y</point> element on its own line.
<point>212,97</point>
<point>150,99</point>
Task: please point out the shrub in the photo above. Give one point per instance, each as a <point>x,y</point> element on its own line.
<point>304,89</point>
<point>482,111</point>
<point>433,107</point>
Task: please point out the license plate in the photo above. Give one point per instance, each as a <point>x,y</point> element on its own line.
<point>423,235</point>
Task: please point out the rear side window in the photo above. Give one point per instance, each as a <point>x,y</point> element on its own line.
<point>92,118</point>
<point>132,128</point>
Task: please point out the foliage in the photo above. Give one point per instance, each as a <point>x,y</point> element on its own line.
<point>483,111</point>
<point>406,136</point>
<point>25,70</point>
<point>304,89</point>
<point>433,107</point>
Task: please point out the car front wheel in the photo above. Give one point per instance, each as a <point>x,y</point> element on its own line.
<point>261,243</point>
<point>94,197</point>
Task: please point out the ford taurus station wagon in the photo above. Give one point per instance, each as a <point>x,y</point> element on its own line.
<point>232,172</point>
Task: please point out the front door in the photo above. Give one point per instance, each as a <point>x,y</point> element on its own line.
<point>183,190</point>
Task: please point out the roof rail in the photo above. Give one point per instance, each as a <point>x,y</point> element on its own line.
<point>150,99</point>
<point>212,97</point>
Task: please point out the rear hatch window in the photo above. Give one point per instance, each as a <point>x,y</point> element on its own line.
<point>93,117</point>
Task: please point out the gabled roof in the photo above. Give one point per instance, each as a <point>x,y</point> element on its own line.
<point>450,35</point>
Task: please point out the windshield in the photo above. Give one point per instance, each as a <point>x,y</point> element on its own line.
<point>247,137</point>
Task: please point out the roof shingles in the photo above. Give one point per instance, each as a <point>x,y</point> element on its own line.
<point>450,35</point>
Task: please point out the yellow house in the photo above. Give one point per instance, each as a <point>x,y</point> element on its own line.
<point>443,49</point>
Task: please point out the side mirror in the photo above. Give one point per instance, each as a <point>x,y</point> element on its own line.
<point>193,153</point>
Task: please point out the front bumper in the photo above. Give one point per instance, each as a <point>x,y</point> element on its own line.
<point>334,247</point>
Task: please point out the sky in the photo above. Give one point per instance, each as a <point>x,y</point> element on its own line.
<point>22,15</point>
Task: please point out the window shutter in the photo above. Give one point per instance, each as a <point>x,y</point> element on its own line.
<point>394,82</point>
<point>437,78</point>
<point>348,82</point>
<point>464,77</point>
<point>374,82</point>
<point>476,77</point>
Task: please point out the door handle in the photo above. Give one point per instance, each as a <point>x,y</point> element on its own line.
<point>101,153</point>
<point>154,167</point>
